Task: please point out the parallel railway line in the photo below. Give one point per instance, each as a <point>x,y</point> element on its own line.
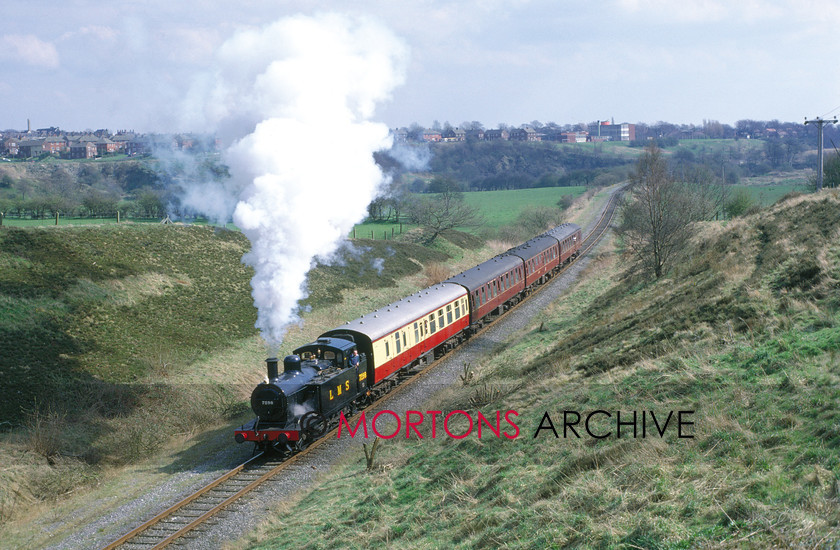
<point>180,519</point>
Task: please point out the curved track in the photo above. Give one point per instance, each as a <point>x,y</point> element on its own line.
<point>180,519</point>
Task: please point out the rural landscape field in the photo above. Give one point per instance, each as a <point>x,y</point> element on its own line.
<point>129,353</point>
<point>420,275</point>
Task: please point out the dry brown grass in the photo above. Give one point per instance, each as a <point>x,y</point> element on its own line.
<point>44,432</point>
<point>496,246</point>
<point>434,273</point>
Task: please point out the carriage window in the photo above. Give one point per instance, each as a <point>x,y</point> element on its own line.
<point>432,327</point>
<point>416,333</point>
<point>397,340</point>
<point>387,350</point>
<point>449,314</point>
<point>458,309</point>
<point>405,344</point>
<point>440,318</point>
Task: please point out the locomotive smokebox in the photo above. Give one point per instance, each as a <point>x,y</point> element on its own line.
<point>271,362</point>
<point>291,363</point>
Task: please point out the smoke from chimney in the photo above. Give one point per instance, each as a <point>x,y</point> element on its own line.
<point>294,101</point>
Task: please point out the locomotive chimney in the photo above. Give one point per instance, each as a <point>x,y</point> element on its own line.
<point>272,367</point>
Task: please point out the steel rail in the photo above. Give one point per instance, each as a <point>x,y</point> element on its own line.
<point>593,236</point>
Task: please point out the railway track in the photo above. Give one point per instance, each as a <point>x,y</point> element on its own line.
<point>182,518</point>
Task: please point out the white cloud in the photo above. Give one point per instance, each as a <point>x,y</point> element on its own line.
<point>98,32</point>
<point>28,49</point>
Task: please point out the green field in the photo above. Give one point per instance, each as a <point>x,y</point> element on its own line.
<point>44,222</point>
<point>503,207</point>
<point>768,194</point>
<point>499,208</point>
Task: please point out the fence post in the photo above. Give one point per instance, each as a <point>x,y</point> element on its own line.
<point>2,215</point>
<point>118,216</point>
<point>56,218</point>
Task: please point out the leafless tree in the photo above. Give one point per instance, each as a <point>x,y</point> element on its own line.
<point>657,217</point>
<point>442,212</point>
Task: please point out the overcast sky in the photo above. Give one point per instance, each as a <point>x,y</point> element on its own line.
<point>81,64</point>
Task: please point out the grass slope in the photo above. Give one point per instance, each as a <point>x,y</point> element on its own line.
<point>116,339</point>
<point>83,303</point>
<point>745,332</point>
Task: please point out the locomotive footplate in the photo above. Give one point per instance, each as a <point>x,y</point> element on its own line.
<point>251,432</point>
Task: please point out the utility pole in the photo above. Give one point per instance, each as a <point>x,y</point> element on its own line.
<point>820,123</point>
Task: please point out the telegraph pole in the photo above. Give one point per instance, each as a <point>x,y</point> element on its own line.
<point>820,123</point>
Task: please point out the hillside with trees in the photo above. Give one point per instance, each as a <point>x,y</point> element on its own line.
<point>151,187</point>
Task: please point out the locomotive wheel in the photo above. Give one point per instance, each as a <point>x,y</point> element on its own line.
<point>313,424</point>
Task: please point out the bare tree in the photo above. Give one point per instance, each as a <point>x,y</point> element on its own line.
<point>831,171</point>
<point>657,217</point>
<point>441,212</point>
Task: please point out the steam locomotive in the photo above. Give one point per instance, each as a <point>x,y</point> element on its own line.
<point>349,367</point>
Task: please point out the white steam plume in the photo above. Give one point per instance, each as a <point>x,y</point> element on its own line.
<point>294,100</point>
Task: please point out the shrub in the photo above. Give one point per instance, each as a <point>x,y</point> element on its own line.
<point>44,431</point>
<point>434,273</point>
<point>740,202</point>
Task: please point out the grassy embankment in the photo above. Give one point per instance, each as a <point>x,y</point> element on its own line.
<point>115,339</point>
<point>122,344</point>
<point>745,332</point>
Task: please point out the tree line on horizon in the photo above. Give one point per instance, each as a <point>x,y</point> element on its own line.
<point>149,187</point>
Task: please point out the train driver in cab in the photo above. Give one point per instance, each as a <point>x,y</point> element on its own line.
<point>354,358</point>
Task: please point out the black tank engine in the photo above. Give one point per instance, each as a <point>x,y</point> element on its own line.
<point>293,407</point>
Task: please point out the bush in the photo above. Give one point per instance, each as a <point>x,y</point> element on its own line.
<point>435,273</point>
<point>565,202</point>
<point>44,432</point>
<point>740,202</point>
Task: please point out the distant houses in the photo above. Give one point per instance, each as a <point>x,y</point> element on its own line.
<point>600,131</point>
<point>102,143</point>
<point>76,145</point>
